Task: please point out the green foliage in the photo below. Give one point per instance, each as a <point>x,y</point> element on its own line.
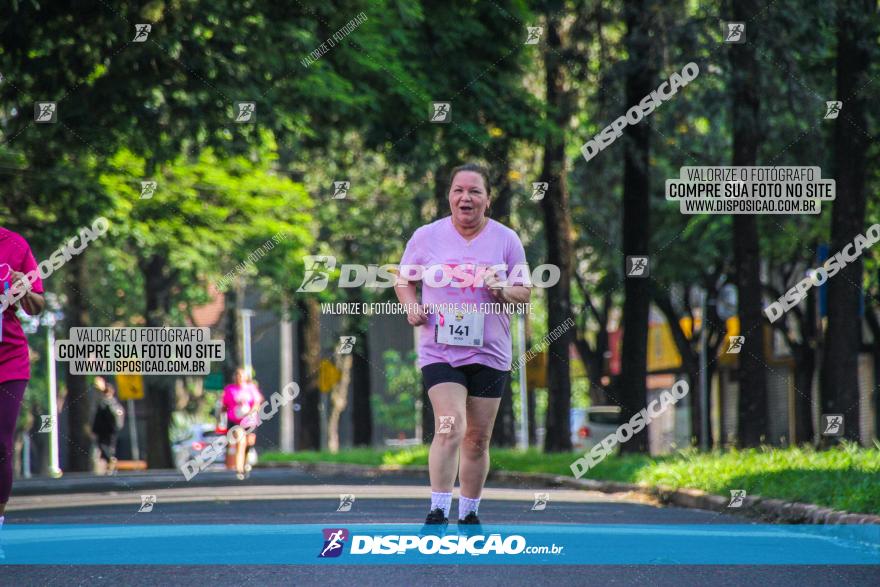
<point>396,411</point>
<point>207,215</point>
<point>842,478</point>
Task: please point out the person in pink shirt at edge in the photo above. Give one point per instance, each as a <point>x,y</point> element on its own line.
<point>241,401</point>
<point>464,355</point>
<point>16,260</point>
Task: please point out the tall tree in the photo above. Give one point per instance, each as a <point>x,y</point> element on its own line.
<point>308,427</point>
<point>504,432</point>
<point>557,228</point>
<point>205,212</point>
<point>856,38</point>
<point>361,412</point>
<point>641,72</point>
<point>752,374</point>
<point>79,456</point>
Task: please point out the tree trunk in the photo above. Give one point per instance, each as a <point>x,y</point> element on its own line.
<point>531,412</point>
<point>532,424</point>
<point>594,358</point>
<point>79,442</point>
<point>308,331</point>
<point>504,431</point>
<point>362,412</point>
<point>805,366</point>
<point>874,325</point>
<point>231,333</point>
<point>640,77</point>
<point>839,377</point>
<point>752,375</point>
<point>158,388</point>
<point>598,392</point>
<point>441,190</point>
<point>557,227</point>
<point>338,401</point>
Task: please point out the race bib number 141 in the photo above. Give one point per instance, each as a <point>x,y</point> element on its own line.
<point>459,329</point>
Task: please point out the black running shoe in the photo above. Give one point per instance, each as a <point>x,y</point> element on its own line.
<point>470,525</point>
<point>435,523</point>
<point>470,519</point>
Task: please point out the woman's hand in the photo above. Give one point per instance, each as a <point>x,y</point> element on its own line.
<point>32,303</point>
<point>416,316</point>
<point>19,282</point>
<point>496,286</point>
<point>406,295</point>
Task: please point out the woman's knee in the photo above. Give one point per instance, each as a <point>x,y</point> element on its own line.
<point>449,429</point>
<point>476,442</point>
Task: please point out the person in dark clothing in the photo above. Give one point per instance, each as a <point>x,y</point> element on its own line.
<point>109,419</point>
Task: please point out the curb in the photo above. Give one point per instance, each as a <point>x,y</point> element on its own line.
<point>753,506</point>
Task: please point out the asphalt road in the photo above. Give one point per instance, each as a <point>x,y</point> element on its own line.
<point>295,497</point>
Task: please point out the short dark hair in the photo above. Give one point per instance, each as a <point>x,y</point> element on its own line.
<point>476,168</point>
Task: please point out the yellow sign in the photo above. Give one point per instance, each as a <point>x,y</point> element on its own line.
<point>732,325</point>
<point>662,352</point>
<point>536,371</point>
<point>732,329</point>
<point>328,376</point>
<point>130,387</point>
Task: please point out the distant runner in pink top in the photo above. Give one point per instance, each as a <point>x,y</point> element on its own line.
<point>467,260</point>
<point>241,401</point>
<point>16,261</point>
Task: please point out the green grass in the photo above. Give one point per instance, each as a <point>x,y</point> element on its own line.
<point>845,478</point>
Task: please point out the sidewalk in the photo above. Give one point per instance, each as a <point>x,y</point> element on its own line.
<point>267,474</point>
<point>122,481</point>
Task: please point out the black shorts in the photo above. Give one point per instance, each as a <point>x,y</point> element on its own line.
<point>479,380</point>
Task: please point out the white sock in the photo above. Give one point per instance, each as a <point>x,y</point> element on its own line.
<point>442,501</point>
<point>2,519</point>
<point>467,505</point>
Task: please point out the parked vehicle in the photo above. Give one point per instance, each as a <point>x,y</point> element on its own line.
<point>590,425</point>
<point>199,437</point>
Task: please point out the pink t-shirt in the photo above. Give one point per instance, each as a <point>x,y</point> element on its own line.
<point>241,399</point>
<point>15,255</point>
<point>440,244</point>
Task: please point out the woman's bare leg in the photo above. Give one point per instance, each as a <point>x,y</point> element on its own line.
<point>240,453</point>
<point>450,419</point>
<point>474,467</point>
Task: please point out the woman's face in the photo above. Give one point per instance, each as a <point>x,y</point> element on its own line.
<point>239,377</point>
<point>468,199</point>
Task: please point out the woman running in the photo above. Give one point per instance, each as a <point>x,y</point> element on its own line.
<point>464,354</point>
<point>15,367</point>
<point>241,400</point>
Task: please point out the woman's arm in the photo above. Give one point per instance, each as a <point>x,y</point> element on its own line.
<point>515,294</point>
<point>32,303</point>
<point>408,295</point>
